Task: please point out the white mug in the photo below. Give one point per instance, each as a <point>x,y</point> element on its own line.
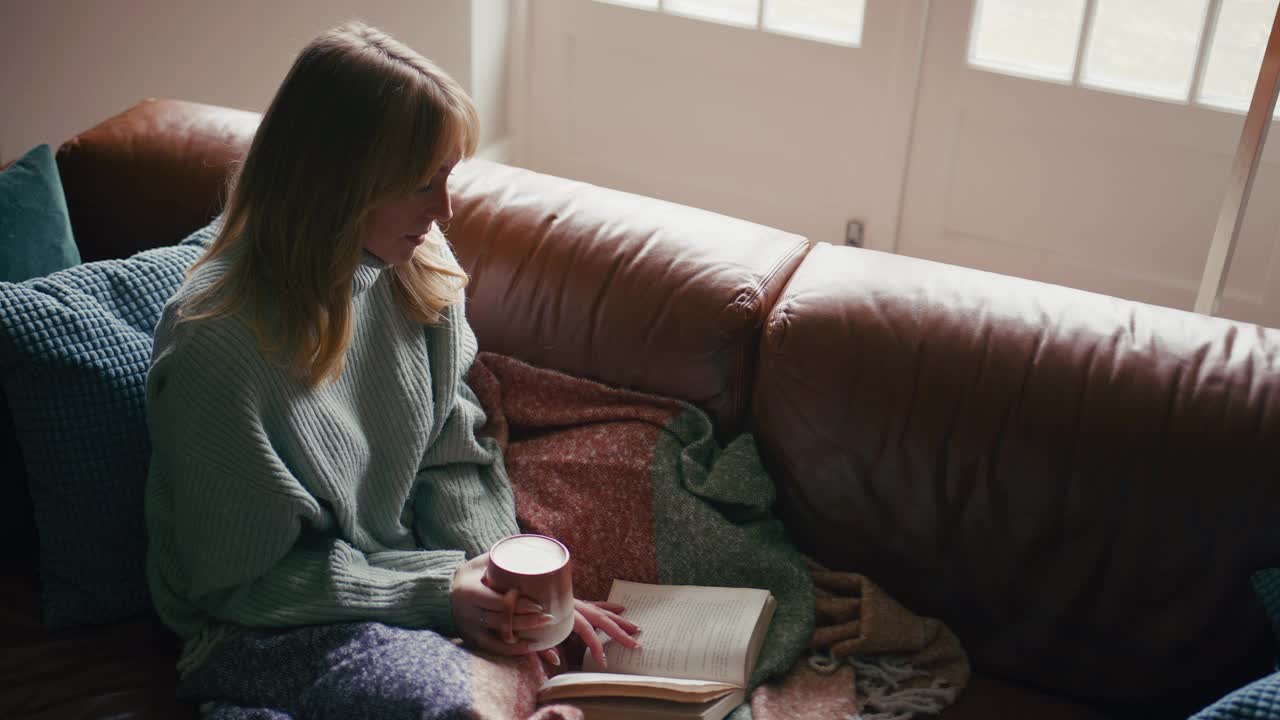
<point>536,567</point>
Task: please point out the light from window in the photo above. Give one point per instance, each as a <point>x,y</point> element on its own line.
<point>730,12</point>
<point>642,4</point>
<point>1235,53</point>
<point>835,21</point>
<point>1144,47</point>
<point>831,21</point>
<point>1027,38</point>
<point>1150,48</point>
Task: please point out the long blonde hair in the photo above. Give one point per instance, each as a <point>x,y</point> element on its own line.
<point>360,117</point>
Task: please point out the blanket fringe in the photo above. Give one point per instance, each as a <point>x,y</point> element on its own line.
<point>881,695</point>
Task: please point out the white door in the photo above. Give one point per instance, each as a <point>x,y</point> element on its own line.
<point>1075,142</point>
<point>1080,142</point>
<point>723,113</point>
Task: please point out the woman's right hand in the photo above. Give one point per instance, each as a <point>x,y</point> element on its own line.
<point>478,611</point>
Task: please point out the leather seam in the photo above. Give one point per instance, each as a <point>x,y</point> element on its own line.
<point>740,403</point>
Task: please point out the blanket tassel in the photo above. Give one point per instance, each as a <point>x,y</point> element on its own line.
<point>880,692</point>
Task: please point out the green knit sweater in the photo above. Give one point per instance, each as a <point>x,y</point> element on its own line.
<point>273,504</point>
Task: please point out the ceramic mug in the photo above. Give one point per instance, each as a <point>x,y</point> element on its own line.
<point>536,567</point>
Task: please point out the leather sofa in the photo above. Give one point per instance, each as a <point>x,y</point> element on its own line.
<point>1078,485</point>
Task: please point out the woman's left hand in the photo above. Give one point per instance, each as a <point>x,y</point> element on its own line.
<point>587,616</point>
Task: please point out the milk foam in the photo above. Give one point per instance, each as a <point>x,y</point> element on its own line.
<point>528,555</point>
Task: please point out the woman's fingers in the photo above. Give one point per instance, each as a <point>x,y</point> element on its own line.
<point>582,628</point>
<point>496,602</point>
<point>602,615</point>
<point>493,620</point>
<point>612,610</point>
<point>624,623</point>
<point>480,612</point>
<point>611,627</point>
<point>486,634</point>
<point>525,606</point>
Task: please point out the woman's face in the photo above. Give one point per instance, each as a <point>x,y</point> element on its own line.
<point>395,227</point>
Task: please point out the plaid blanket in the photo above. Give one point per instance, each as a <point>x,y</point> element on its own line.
<point>638,489</point>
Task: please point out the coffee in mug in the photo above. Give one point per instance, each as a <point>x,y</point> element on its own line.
<point>538,568</point>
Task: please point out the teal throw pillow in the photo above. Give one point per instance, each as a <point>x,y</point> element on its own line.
<point>35,230</point>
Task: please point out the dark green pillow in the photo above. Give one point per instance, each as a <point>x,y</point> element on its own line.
<point>35,230</point>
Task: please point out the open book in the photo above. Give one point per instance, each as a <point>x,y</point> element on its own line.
<point>698,647</point>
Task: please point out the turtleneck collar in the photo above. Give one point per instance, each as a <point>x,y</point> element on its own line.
<point>367,272</point>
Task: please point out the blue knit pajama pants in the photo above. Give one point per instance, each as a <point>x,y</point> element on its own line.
<point>343,671</point>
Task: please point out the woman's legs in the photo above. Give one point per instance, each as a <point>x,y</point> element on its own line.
<point>350,670</point>
<point>222,711</point>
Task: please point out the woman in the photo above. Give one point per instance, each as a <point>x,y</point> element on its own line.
<point>317,484</point>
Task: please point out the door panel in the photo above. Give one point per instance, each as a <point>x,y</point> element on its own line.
<point>797,134</point>
<point>1077,186</point>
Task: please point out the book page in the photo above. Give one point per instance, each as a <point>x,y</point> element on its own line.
<point>640,709</point>
<point>592,684</point>
<point>689,631</point>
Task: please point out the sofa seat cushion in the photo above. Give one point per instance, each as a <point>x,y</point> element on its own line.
<point>987,698</point>
<point>123,671</point>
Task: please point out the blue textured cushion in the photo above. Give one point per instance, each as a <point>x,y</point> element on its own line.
<point>1261,698</point>
<point>1266,583</point>
<point>1258,700</point>
<point>74,352</point>
<point>35,230</point>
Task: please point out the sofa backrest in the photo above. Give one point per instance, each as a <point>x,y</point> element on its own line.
<point>1080,486</point>
<point>620,288</point>
<point>150,175</point>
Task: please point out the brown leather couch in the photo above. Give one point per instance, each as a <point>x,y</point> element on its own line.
<point>1078,485</point>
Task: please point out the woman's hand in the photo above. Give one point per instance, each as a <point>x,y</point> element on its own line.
<point>587,616</point>
<point>478,611</point>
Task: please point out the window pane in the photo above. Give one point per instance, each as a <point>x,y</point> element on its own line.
<point>838,21</point>
<point>1145,47</point>
<point>1027,37</point>
<point>642,4</point>
<point>1235,52</point>
<point>733,12</point>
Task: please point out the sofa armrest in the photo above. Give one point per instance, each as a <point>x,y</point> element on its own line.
<point>1079,485</point>
<point>150,175</point>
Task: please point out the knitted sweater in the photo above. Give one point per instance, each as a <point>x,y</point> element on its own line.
<point>271,504</point>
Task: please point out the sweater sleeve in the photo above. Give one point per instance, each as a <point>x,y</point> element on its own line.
<point>233,535</point>
<point>463,498</point>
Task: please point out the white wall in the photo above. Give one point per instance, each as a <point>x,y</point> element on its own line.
<point>66,65</point>
<point>490,62</point>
